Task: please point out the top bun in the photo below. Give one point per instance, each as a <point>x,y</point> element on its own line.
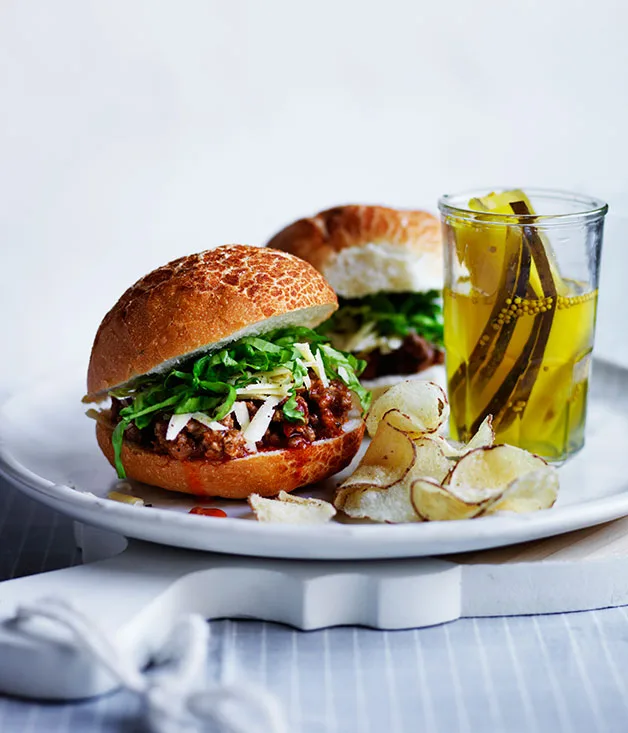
<point>363,250</point>
<point>203,301</point>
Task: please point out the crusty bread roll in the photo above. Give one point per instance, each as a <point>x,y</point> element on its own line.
<point>369,249</point>
<point>265,473</point>
<point>206,299</point>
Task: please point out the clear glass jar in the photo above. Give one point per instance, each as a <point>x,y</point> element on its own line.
<point>520,299</point>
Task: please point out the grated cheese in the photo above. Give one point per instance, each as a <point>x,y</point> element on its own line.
<point>256,386</point>
<point>306,378</point>
<point>306,353</point>
<point>211,424</point>
<point>263,394</point>
<point>178,422</point>
<point>260,422</point>
<point>176,425</point>
<point>319,368</point>
<point>313,362</point>
<point>263,389</point>
<point>281,374</point>
<point>242,415</point>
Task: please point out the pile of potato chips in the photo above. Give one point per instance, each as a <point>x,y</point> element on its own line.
<point>411,473</point>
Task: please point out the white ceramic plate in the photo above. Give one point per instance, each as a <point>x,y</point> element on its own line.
<point>48,449</point>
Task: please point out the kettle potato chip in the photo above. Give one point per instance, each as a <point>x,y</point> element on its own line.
<point>420,407</point>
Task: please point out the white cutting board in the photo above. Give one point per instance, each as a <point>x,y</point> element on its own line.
<point>140,589</point>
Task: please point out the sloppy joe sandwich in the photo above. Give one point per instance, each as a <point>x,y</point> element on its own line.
<point>212,381</point>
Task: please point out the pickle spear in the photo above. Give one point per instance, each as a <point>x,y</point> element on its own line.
<point>498,260</point>
<point>542,327</point>
<point>515,262</point>
<point>514,283</point>
<point>512,396</point>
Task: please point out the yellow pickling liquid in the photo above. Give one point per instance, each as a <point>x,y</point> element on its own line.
<point>488,336</point>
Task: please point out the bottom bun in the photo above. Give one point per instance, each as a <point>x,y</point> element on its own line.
<point>434,373</point>
<point>265,473</point>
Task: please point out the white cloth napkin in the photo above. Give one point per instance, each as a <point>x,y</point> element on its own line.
<point>174,701</point>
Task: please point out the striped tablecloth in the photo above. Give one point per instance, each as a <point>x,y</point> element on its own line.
<point>564,672</point>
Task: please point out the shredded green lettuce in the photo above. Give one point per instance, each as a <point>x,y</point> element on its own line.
<point>394,314</point>
<point>208,383</point>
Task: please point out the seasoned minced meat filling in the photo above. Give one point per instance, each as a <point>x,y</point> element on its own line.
<point>325,410</point>
<point>414,355</point>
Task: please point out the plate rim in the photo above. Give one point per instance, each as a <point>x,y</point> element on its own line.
<point>558,520</point>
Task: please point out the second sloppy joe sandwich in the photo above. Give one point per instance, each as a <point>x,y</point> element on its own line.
<point>386,267</point>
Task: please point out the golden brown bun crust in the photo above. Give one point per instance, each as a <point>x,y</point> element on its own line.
<point>265,473</point>
<point>317,239</point>
<point>199,300</point>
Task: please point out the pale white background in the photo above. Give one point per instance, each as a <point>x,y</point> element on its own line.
<point>134,132</point>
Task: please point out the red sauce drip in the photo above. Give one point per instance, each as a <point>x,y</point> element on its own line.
<point>193,477</point>
<point>208,511</point>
